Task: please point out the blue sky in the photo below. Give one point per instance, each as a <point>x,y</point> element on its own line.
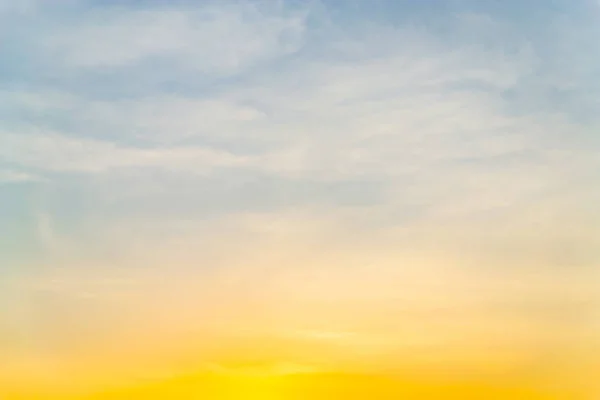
<point>186,136</point>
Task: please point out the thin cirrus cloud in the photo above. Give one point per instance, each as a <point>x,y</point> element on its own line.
<point>210,39</point>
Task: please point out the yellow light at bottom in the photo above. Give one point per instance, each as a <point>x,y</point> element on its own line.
<point>315,386</point>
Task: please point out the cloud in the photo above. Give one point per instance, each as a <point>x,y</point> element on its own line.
<point>429,127</point>
<point>10,176</point>
<point>425,123</point>
<point>55,152</point>
<point>217,40</point>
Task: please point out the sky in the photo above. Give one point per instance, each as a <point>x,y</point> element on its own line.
<point>312,185</point>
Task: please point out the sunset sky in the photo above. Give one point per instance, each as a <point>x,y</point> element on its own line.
<point>326,199</point>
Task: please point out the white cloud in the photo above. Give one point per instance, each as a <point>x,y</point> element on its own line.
<point>399,103</point>
<point>428,121</point>
<point>168,119</point>
<point>211,39</point>
<point>55,152</point>
<point>10,176</point>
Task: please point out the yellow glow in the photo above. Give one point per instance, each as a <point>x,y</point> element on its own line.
<point>248,377</point>
<point>314,386</point>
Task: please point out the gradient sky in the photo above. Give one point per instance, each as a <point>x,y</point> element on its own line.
<point>385,175</point>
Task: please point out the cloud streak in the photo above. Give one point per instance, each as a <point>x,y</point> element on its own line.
<point>211,39</point>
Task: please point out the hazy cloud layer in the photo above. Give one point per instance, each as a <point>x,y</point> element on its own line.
<point>296,153</point>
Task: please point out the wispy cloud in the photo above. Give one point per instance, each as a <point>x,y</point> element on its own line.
<point>55,152</point>
<point>10,176</point>
<point>425,125</point>
<point>241,96</point>
<point>216,39</point>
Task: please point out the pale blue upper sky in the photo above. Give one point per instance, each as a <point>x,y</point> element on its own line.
<point>140,115</point>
